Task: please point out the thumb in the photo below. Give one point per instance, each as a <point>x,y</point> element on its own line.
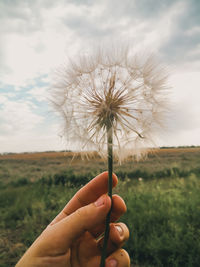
<point>88,217</point>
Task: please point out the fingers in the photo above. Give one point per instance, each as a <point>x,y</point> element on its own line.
<point>89,250</point>
<point>119,234</point>
<point>118,209</point>
<point>86,195</point>
<point>119,258</point>
<point>73,226</point>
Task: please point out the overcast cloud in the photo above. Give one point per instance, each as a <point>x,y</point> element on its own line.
<point>36,36</point>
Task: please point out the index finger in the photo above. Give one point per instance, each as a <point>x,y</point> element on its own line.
<point>86,195</point>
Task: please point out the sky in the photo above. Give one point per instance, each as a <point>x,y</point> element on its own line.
<point>37,36</point>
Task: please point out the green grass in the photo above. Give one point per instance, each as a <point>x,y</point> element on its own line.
<point>164,220</point>
<point>24,213</point>
<point>163,212</point>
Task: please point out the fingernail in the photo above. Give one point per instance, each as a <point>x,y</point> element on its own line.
<point>119,229</point>
<point>100,201</point>
<point>112,263</point>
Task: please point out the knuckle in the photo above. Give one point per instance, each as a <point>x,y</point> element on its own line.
<point>119,204</point>
<point>124,229</point>
<point>81,213</point>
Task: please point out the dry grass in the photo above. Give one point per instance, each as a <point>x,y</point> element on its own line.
<point>78,155</point>
<point>179,150</point>
<point>40,155</point>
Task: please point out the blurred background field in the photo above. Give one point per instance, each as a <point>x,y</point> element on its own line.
<point>162,194</point>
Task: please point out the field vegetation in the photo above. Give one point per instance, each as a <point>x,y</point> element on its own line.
<point>161,193</point>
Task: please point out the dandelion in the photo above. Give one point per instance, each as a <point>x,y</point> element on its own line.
<point>111,100</point>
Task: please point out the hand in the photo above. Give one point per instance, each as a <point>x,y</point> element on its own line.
<point>72,238</point>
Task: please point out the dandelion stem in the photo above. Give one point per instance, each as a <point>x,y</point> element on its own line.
<point>110,170</point>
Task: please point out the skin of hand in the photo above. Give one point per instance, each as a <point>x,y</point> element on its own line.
<point>73,238</point>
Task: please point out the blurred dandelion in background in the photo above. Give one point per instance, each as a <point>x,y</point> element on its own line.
<point>111,100</point>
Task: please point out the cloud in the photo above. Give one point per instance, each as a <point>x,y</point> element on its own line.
<point>183,43</point>
<point>45,140</point>
<point>23,16</point>
<point>184,120</point>
<point>3,99</point>
<point>34,40</point>
<point>152,8</point>
<point>17,117</point>
<point>39,93</point>
<point>37,35</point>
<point>27,124</point>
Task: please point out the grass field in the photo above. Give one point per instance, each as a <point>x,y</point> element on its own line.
<point>163,207</point>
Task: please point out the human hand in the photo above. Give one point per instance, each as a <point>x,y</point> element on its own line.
<point>73,238</point>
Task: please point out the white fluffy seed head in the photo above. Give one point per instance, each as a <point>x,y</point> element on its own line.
<point>111,87</point>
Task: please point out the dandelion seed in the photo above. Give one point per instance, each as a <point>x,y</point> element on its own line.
<point>111,87</point>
